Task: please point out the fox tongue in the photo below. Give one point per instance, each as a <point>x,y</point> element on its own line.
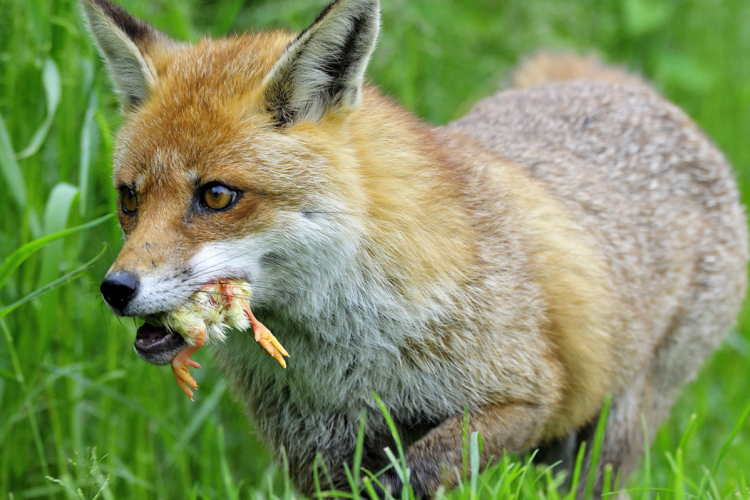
<point>156,344</point>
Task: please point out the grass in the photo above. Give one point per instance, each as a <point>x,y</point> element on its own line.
<point>78,406</point>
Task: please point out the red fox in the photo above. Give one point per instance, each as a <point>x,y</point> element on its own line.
<point>560,243</point>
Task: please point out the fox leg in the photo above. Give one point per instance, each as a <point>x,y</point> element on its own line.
<point>182,360</point>
<point>434,459</point>
<point>696,330</point>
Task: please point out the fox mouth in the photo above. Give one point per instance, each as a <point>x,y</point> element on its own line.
<point>157,344</point>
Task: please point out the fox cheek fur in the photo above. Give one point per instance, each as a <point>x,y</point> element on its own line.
<point>560,243</point>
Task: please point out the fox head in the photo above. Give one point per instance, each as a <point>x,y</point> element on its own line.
<point>225,164</point>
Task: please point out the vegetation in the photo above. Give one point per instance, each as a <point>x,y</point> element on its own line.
<point>78,406</point>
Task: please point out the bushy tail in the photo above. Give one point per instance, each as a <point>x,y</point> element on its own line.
<point>546,67</point>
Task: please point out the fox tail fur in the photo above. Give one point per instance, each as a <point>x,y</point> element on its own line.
<point>544,67</point>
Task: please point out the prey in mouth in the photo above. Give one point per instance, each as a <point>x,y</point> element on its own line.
<point>172,337</point>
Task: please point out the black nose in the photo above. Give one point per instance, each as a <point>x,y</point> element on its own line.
<point>119,288</point>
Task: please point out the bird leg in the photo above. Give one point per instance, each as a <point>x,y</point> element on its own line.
<point>264,336</point>
<point>182,360</point>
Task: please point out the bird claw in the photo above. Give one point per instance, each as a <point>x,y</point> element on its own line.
<point>180,364</point>
<point>183,378</point>
<point>266,339</point>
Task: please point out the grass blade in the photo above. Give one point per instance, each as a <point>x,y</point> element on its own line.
<point>230,490</point>
<point>465,447</point>
<point>19,256</point>
<point>56,214</point>
<point>35,431</point>
<point>688,432</point>
<point>596,449</point>
<point>51,286</point>
<point>577,470</point>
<point>10,168</point>
<point>393,429</point>
<point>475,449</point>
<point>207,408</point>
<point>607,482</point>
<point>646,493</point>
<point>53,90</point>
<point>359,449</point>
<point>89,141</point>
<point>728,443</point>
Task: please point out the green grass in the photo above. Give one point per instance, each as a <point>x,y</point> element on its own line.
<point>75,402</point>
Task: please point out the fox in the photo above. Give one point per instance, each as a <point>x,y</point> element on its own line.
<point>572,240</point>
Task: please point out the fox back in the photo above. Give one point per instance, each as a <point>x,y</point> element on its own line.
<point>560,243</point>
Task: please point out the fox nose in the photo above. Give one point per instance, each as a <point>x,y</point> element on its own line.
<point>119,288</point>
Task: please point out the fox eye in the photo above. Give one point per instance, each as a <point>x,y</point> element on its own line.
<point>128,201</point>
<point>216,196</point>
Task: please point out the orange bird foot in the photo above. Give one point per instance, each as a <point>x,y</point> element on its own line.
<point>180,364</point>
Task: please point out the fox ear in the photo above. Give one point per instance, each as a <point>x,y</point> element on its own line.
<point>125,43</point>
<point>323,69</point>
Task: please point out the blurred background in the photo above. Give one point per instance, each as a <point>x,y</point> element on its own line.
<point>78,409</point>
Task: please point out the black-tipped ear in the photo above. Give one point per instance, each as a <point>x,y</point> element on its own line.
<point>323,69</point>
<point>125,43</point>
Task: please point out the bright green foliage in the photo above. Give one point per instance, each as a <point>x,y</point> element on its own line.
<point>75,402</point>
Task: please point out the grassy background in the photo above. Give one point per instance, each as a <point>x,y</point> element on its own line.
<point>70,384</point>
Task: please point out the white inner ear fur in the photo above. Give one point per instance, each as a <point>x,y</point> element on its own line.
<point>350,24</point>
<point>130,71</point>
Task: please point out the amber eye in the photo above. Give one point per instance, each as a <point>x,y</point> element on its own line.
<point>128,201</point>
<point>218,197</point>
